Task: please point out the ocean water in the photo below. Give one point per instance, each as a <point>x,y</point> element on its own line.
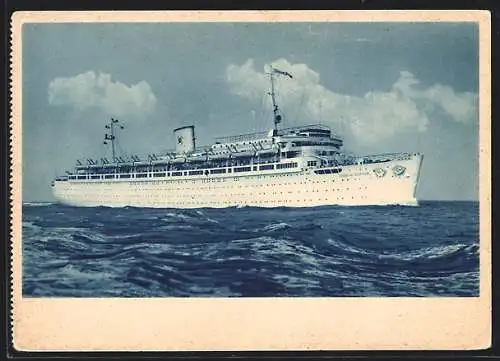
<point>429,250</point>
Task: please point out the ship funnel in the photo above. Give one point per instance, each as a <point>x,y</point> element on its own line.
<point>184,139</point>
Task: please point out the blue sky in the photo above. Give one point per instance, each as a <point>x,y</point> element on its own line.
<point>385,87</point>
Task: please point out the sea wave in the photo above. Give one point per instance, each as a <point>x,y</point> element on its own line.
<point>38,204</point>
<point>322,251</point>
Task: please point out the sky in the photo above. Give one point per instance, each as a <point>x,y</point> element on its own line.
<point>384,87</point>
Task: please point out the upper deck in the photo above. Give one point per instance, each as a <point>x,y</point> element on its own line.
<point>251,145</point>
<point>311,130</point>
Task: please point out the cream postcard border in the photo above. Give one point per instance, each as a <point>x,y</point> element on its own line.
<point>148,324</point>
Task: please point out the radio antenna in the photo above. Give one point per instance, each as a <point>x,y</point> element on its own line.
<point>111,135</point>
<point>276,115</point>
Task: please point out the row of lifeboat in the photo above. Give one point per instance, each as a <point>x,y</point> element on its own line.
<point>208,156</point>
<point>173,158</point>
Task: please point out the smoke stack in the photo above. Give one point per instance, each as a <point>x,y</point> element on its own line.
<point>184,139</point>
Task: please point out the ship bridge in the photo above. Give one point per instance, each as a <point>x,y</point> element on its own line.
<point>308,136</point>
<point>317,131</point>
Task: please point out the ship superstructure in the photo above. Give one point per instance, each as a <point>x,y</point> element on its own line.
<point>291,167</point>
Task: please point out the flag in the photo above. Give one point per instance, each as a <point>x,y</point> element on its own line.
<point>283,73</point>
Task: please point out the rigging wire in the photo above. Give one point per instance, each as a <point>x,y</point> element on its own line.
<point>259,115</point>
<point>120,152</point>
<point>292,91</point>
<point>264,112</point>
<point>283,114</point>
<point>300,106</point>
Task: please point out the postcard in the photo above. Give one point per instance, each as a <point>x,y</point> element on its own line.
<point>251,180</point>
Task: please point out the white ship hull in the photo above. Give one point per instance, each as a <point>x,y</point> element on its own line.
<point>363,184</point>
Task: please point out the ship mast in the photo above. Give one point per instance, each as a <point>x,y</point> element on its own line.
<point>111,135</point>
<point>276,115</point>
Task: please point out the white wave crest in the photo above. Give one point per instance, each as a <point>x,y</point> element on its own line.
<point>348,248</point>
<point>273,227</point>
<point>176,227</point>
<point>38,204</point>
<point>428,252</point>
<point>173,215</point>
<point>28,226</point>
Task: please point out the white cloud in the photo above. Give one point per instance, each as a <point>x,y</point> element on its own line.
<point>378,115</point>
<point>461,107</point>
<point>91,90</point>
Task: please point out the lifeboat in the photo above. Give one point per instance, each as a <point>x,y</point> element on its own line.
<point>247,153</point>
<point>178,160</point>
<point>160,161</point>
<point>266,152</point>
<point>218,156</point>
<point>197,158</point>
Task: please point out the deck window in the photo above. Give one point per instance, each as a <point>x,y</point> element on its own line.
<point>242,169</point>
<point>328,171</point>
<point>286,165</point>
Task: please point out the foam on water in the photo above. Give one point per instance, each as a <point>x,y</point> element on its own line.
<point>233,252</point>
<point>37,204</point>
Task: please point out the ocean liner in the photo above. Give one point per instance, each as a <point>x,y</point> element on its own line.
<point>300,166</point>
